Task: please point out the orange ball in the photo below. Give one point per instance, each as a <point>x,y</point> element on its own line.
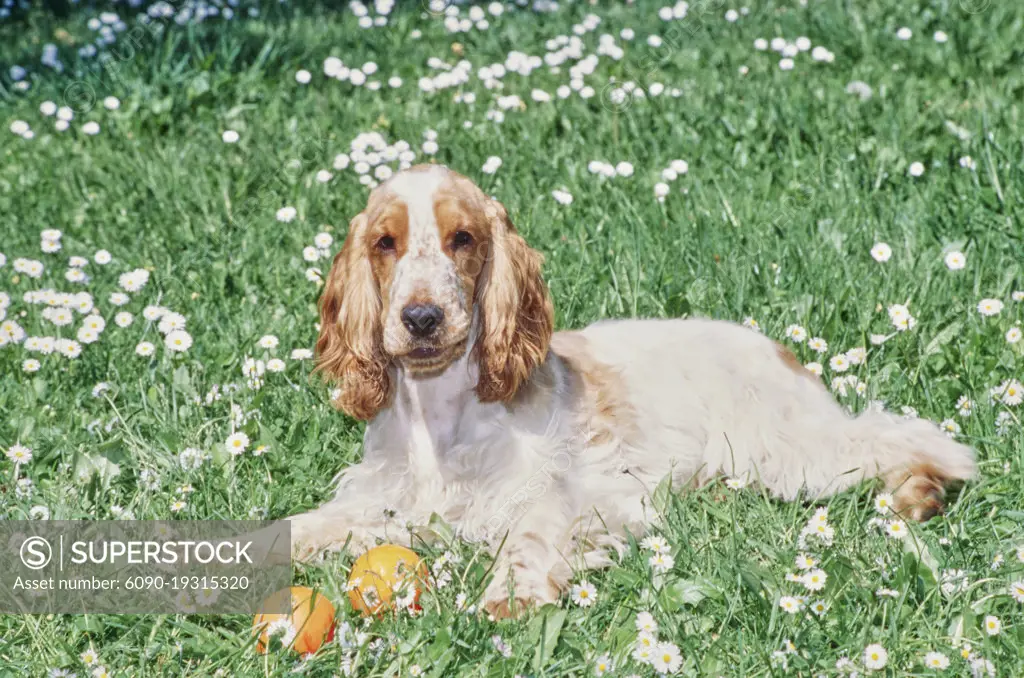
<point>381,573</point>
<point>312,618</point>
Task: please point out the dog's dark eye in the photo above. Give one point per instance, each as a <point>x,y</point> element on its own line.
<point>461,239</point>
<point>385,243</point>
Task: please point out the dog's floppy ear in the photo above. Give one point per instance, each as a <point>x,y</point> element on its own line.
<point>350,347</point>
<point>515,311</point>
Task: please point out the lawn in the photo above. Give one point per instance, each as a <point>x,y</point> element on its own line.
<point>840,176</point>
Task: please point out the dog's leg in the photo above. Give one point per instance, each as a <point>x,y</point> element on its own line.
<point>913,458</point>
<point>919,461</point>
<point>529,572</point>
<point>530,569</point>
<point>330,527</point>
<point>360,514</point>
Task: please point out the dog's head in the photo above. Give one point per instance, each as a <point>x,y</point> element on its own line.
<point>429,255</point>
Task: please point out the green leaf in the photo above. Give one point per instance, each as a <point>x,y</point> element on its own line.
<point>688,592</point>
<point>662,494</point>
<point>88,623</point>
<point>442,641</point>
<point>409,641</point>
<point>943,338</point>
<point>440,529</point>
<point>961,624</point>
<point>199,86</point>
<point>627,579</point>
<point>182,381</point>
<point>550,622</point>
<point>39,388</point>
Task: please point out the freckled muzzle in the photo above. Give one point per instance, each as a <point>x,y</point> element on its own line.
<point>428,323</point>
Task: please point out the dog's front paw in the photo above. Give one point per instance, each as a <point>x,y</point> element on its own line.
<point>304,550</point>
<point>307,538</point>
<point>529,592</point>
<point>509,608</point>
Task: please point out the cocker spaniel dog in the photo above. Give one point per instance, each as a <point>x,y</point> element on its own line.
<point>438,327</point>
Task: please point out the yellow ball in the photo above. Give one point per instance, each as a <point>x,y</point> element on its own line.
<point>381,573</point>
<point>312,618</point>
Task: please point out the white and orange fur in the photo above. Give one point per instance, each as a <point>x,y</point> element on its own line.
<point>551,444</point>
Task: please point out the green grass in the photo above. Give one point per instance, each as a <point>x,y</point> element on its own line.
<point>791,182</point>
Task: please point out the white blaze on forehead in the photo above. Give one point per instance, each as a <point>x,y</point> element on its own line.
<point>416,189</point>
<point>424,272</point>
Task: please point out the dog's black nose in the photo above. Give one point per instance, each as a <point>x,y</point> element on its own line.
<point>422,319</point>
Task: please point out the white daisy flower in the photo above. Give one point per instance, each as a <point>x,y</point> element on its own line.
<point>178,341</point>
<point>881,252</point>
<point>562,196</point>
<point>814,580</point>
<point>237,443</point>
<point>884,503</point>
<point>603,665</point>
<point>661,562</point>
<point>857,356</point>
<point>666,658</point>
<point>735,483</point>
<point>992,625</point>
<point>817,344</point>
<point>19,454</point>
<point>897,529</point>
<point>656,544</point>
<point>584,594</point>
<point>839,363</point>
<point>955,261</point>
<point>990,307</point>
<point>796,333</point>
<point>875,657</point>
<point>68,348</point>
<point>1017,591</point>
<point>133,281</point>
<point>645,622</point>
